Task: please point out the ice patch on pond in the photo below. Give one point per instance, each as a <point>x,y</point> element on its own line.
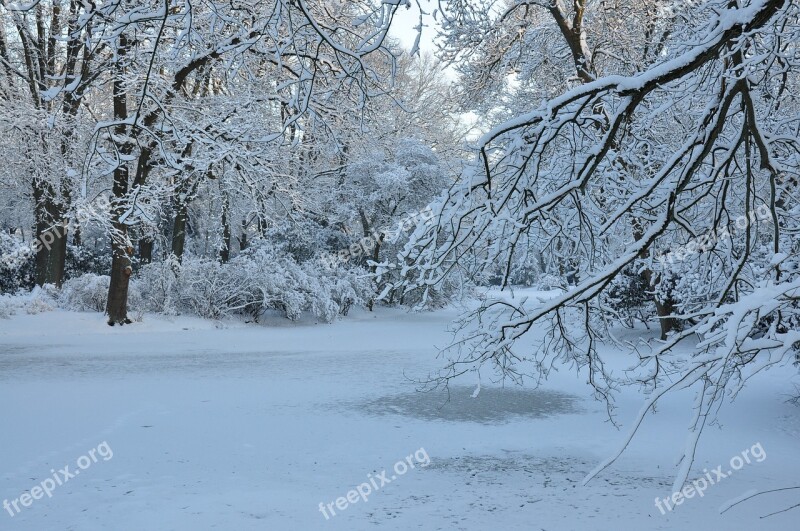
<point>492,405</point>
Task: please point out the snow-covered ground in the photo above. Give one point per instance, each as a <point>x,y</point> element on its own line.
<point>245,427</point>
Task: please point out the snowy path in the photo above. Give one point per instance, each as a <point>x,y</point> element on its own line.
<point>251,427</point>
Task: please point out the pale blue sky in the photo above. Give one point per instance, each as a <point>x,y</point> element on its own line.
<point>403,28</point>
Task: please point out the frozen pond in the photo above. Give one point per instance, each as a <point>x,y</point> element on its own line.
<point>492,405</point>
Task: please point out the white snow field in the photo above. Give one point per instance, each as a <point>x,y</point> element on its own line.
<point>190,425</point>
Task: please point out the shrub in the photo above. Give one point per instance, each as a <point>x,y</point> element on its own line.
<point>42,299</point>
<point>7,306</point>
<point>260,279</point>
<point>85,293</point>
<point>89,293</point>
<point>17,264</point>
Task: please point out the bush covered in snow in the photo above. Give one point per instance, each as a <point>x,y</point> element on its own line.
<point>85,293</point>
<point>7,307</point>
<point>44,299</point>
<point>157,286</point>
<point>17,265</point>
<point>260,279</point>
<point>547,282</point>
<point>263,278</point>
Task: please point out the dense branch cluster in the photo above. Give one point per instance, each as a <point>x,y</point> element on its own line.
<point>674,177</point>
<point>144,131</point>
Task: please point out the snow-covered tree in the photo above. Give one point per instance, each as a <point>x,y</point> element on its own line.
<point>50,61</point>
<point>672,157</point>
<point>163,57</point>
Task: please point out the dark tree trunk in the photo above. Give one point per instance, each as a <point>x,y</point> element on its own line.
<point>117,304</point>
<point>146,250</point>
<point>179,230</point>
<point>51,237</point>
<point>58,257</point>
<point>366,227</point>
<point>243,237</point>
<point>225,251</point>
<point>668,324</point>
<point>42,254</point>
<point>376,242</point>
<point>664,308</point>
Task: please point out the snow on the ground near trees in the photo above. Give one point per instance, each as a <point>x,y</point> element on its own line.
<point>234,426</point>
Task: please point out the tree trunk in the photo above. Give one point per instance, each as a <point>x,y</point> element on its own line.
<point>664,309</point>
<point>58,256</point>
<point>366,227</point>
<point>51,237</point>
<point>376,250</point>
<point>179,230</point>
<point>121,251</point>
<point>117,305</point>
<point>243,237</point>
<point>668,324</point>
<point>225,251</point>
<point>146,249</point>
